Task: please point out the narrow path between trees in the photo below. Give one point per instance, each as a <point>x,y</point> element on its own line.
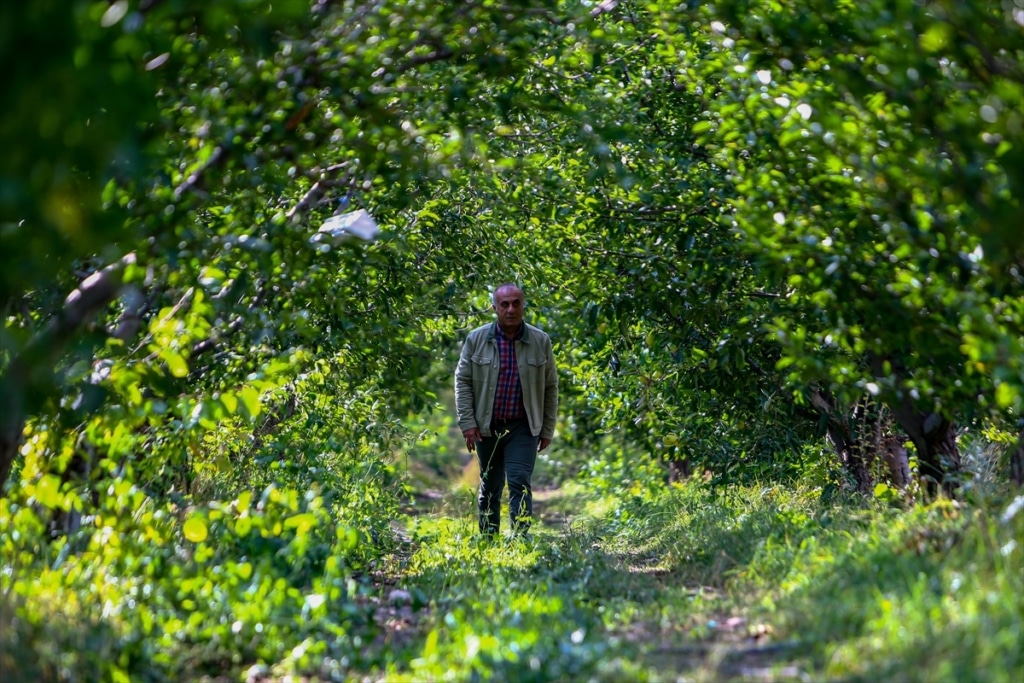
<point>573,603</point>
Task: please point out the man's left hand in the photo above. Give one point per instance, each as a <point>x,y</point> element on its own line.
<point>543,443</point>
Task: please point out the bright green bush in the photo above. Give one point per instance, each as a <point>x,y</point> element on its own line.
<point>262,564</point>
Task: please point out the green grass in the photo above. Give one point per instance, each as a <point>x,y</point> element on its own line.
<point>623,579</point>
<point>662,583</point>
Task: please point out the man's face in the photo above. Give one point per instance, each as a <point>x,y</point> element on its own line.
<point>508,304</point>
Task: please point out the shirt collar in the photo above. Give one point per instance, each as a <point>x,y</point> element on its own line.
<point>520,335</point>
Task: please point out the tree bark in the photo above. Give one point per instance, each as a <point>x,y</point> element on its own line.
<point>28,371</point>
<point>850,445</point>
<point>679,470</point>
<point>1017,461</point>
<point>934,438</point>
<point>894,455</point>
<point>852,455</point>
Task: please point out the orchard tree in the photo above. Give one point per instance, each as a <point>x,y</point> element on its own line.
<point>174,191</point>
<point>875,150</point>
<point>599,198</point>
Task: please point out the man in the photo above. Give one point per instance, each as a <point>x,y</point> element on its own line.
<point>506,398</point>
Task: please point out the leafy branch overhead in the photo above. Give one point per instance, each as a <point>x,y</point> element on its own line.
<point>240,245</point>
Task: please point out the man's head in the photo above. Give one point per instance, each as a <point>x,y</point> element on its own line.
<point>508,305</point>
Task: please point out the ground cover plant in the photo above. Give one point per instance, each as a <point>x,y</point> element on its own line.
<point>777,250</point>
<point>650,581</point>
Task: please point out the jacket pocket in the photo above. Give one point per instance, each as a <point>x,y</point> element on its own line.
<point>482,360</point>
<point>534,374</point>
<point>535,368</point>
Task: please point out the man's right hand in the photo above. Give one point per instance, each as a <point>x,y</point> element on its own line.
<point>472,437</point>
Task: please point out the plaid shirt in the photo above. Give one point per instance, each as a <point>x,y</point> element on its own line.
<point>508,396</point>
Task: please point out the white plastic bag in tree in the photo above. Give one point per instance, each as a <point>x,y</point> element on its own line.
<point>347,226</point>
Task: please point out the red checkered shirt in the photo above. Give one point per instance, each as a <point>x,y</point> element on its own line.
<point>508,397</point>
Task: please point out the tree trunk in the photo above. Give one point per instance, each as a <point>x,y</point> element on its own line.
<point>934,438</point>
<point>894,455</point>
<point>850,445</point>
<point>679,470</point>
<point>23,375</point>
<point>852,456</point>
<point>1017,462</point>
<point>10,436</point>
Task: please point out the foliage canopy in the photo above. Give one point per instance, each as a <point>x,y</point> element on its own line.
<point>745,225</point>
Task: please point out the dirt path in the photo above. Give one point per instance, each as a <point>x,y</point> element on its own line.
<point>703,645</point>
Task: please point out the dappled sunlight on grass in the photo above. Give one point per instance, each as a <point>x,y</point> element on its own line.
<point>931,589</point>
<point>501,610</point>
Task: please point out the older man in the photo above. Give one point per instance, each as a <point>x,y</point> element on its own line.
<point>506,398</point>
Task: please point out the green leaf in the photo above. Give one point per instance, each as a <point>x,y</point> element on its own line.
<point>195,529</point>
<point>230,402</point>
<point>175,363</point>
<point>47,492</point>
<point>302,523</point>
<point>250,398</point>
<point>1006,395</point>
<point>936,37</point>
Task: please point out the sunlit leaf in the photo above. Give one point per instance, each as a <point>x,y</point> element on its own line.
<point>195,528</point>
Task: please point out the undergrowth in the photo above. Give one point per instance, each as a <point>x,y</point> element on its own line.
<point>663,583</point>
<point>624,578</point>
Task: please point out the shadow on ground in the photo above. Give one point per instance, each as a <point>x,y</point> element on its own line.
<point>647,615</point>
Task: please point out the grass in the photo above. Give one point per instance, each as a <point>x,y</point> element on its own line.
<point>666,583</point>
<point>624,578</point>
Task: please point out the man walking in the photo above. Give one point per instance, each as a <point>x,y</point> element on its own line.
<point>506,399</point>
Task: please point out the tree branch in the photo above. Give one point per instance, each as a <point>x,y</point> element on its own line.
<point>316,192</point>
<point>218,156</point>
<point>21,377</point>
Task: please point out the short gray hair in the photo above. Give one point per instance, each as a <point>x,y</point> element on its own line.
<point>494,296</point>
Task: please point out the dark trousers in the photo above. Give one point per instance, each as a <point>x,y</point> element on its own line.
<point>510,453</point>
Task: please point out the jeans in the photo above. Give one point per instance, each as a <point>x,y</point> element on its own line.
<point>509,454</point>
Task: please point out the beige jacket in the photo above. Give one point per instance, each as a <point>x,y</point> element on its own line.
<point>476,380</point>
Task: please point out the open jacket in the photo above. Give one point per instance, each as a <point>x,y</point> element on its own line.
<point>476,380</point>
